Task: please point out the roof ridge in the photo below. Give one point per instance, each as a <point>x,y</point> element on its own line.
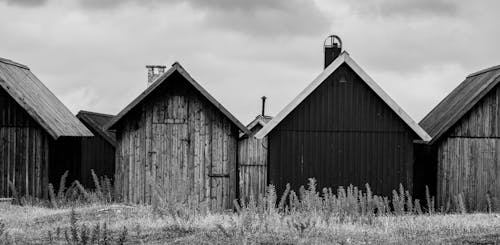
<point>10,62</point>
<point>497,67</point>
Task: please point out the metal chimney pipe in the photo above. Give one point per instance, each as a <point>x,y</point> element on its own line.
<point>263,105</point>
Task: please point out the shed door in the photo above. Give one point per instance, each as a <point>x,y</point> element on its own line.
<point>252,167</point>
<point>170,146</point>
<point>222,169</point>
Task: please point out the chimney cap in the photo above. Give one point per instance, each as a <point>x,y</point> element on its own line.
<point>330,42</point>
<point>155,66</point>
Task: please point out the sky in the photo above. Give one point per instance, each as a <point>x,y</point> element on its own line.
<point>92,53</point>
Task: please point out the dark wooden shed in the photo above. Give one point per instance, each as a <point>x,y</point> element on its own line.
<point>178,136</point>
<point>98,152</point>
<point>465,145</point>
<point>342,129</point>
<point>37,133</point>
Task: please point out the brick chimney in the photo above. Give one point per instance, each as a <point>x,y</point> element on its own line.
<point>332,48</point>
<point>154,71</point>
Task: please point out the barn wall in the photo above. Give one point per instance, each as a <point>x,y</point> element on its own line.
<point>99,155</point>
<point>24,149</point>
<point>468,156</point>
<point>183,142</point>
<point>342,134</point>
<point>252,159</point>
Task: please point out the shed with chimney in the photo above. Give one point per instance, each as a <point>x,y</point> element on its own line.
<point>342,129</point>
<point>252,157</point>
<point>176,140</point>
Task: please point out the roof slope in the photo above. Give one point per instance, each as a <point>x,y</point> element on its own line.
<point>97,122</point>
<point>449,111</point>
<point>176,67</point>
<point>41,104</point>
<point>344,58</point>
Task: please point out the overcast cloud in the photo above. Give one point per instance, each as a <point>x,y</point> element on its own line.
<point>92,53</point>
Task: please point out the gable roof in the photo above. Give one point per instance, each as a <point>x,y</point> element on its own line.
<point>344,58</point>
<point>176,67</point>
<point>97,122</point>
<point>37,100</point>
<point>460,101</point>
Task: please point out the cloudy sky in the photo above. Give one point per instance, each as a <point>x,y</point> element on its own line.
<point>92,53</point>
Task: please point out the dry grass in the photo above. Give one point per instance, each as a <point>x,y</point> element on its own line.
<point>32,225</point>
<point>347,216</point>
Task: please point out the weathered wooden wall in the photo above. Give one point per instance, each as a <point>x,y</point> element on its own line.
<point>24,151</point>
<point>341,134</point>
<point>468,157</point>
<point>183,142</point>
<point>252,159</point>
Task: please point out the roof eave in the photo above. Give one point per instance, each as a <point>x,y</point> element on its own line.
<point>97,128</point>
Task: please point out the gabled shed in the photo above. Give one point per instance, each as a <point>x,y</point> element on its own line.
<point>252,158</point>
<point>37,133</point>
<point>98,152</point>
<point>342,129</point>
<point>465,145</point>
<point>176,135</point>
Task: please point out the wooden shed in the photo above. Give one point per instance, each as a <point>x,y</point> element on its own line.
<point>98,152</point>
<point>37,133</point>
<point>465,145</point>
<point>176,135</point>
<point>252,158</point>
<point>342,129</point>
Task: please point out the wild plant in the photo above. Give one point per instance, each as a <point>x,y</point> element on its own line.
<point>430,201</point>
<point>489,203</point>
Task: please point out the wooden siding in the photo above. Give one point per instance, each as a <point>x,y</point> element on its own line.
<point>252,159</point>
<point>469,155</point>
<point>183,142</point>
<point>24,151</point>
<point>342,133</point>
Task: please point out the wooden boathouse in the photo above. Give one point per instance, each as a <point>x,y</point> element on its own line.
<point>177,136</point>
<point>252,158</point>
<point>465,145</point>
<point>37,133</point>
<point>342,129</point>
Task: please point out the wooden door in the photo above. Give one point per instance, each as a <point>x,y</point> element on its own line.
<point>252,158</point>
<point>169,148</point>
<point>222,175</point>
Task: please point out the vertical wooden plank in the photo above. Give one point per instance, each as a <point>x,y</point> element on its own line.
<point>45,166</point>
<point>208,153</point>
<point>3,161</point>
<point>148,153</point>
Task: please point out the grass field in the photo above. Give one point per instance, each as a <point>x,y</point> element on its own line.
<point>348,216</point>
<point>26,225</point>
